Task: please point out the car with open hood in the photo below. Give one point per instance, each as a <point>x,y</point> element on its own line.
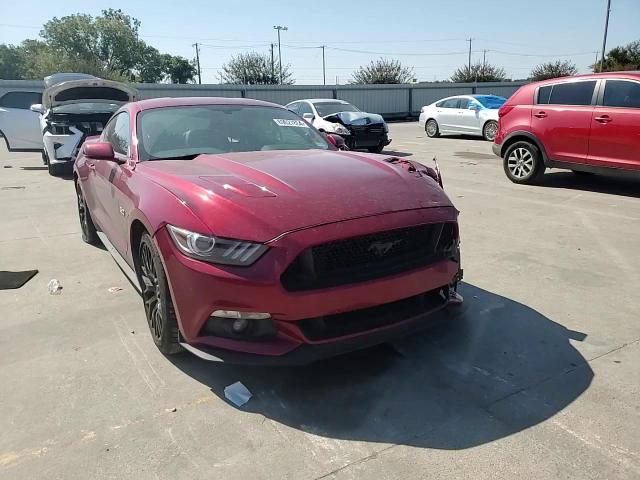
<point>360,130</point>
<point>76,106</point>
<point>254,239</point>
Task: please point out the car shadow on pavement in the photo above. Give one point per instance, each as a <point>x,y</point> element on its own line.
<point>396,153</point>
<point>483,372</point>
<point>614,184</point>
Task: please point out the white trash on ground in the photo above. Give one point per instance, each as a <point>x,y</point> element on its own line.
<point>115,289</point>
<point>237,394</point>
<point>54,286</point>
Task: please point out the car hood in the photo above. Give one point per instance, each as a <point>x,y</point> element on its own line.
<point>89,90</point>
<point>354,118</point>
<point>261,195</point>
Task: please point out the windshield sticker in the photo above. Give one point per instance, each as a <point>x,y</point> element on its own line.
<point>290,123</point>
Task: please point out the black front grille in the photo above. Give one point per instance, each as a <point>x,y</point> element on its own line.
<point>370,256</point>
<point>363,320</point>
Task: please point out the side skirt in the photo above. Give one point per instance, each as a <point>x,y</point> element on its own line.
<point>121,262</point>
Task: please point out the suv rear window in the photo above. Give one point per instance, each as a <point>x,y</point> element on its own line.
<point>571,93</point>
<point>621,93</point>
<point>22,100</point>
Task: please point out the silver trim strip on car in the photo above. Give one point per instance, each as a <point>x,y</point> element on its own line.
<point>200,353</point>
<point>124,266</point>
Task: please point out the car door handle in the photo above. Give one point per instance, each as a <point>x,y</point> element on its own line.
<point>540,114</point>
<point>603,119</point>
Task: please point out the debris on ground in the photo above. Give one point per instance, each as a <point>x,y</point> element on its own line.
<point>133,332</point>
<point>54,286</point>
<point>237,394</point>
<point>170,410</point>
<point>114,289</point>
<point>12,187</point>
<point>7,166</point>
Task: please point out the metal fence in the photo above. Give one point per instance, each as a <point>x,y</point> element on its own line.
<point>392,101</point>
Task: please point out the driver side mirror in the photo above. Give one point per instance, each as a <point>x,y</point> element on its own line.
<point>337,141</point>
<point>36,107</point>
<point>308,117</point>
<point>99,151</point>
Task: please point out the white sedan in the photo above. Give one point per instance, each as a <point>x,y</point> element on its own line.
<point>463,114</point>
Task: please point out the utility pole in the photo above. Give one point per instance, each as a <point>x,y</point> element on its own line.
<point>604,40</point>
<point>484,56</point>
<point>279,28</point>
<point>198,62</point>
<point>273,73</point>
<point>469,40</point>
<point>324,71</point>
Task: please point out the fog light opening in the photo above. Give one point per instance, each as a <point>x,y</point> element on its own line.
<point>240,325</point>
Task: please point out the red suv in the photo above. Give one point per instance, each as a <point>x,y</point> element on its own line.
<point>586,123</point>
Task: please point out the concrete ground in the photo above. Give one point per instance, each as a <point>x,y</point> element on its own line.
<point>536,377</point>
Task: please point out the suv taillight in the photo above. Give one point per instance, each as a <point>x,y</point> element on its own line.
<point>504,109</point>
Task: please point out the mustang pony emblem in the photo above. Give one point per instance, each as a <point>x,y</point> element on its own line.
<point>382,248</point>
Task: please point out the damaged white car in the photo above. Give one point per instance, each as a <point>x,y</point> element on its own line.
<point>74,107</point>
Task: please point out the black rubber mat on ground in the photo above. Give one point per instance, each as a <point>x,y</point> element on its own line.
<point>10,280</point>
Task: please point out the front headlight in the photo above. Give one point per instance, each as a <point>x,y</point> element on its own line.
<point>214,249</point>
<point>340,129</point>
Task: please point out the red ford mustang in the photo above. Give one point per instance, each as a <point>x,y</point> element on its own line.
<point>253,239</point>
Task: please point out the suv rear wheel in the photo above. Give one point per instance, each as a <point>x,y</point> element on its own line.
<point>523,163</point>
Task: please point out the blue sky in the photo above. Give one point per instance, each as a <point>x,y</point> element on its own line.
<point>517,34</point>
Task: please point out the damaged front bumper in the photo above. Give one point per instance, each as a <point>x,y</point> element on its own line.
<point>61,148</point>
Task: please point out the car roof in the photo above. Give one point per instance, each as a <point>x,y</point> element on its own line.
<point>631,74</point>
<point>191,101</point>
<point>322,100</point>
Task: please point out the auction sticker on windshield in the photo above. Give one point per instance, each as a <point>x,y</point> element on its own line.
<point>290,123</point>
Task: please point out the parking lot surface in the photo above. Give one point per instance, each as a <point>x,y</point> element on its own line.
<point>536,376</point>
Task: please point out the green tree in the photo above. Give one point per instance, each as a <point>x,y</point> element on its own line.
<point>254,68</point>
<point>110,40</point>
<point>12,65</point>
<point>179,69</point>
<point>383,71</point>
<point>153,66</point>
<point>479,72</point>
<point>626,57</point>
<point>559,68</point>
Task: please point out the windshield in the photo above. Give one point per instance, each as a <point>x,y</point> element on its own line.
<point>173,132</point>
<point>490,101</point>
<point>329,108</point>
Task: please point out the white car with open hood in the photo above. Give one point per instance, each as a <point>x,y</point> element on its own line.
<point>76,106</point>
<point>359,129</point>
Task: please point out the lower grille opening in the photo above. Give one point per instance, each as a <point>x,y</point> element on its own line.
<point>371,256</point>
<point>357,321</point>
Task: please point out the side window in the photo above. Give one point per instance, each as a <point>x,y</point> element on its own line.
<point>440,104</point>
<point>451,103</point>
<point>21,100</point>
<point>621,93</point>
<point>464,103</point>
<point>544,93</point>
<point>572,93</point>
<point>294,107</point>
<point>304,108</point>
<point>117,133</point>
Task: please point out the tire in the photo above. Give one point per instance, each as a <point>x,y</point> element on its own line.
<point>87,226</point>
<point>377,149</point>
<point>45,157</point>
<point>158,305</point>
<point>55,169</point>
<point>431,128</point>
<point>523,163</point>
<point>490,130</point>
